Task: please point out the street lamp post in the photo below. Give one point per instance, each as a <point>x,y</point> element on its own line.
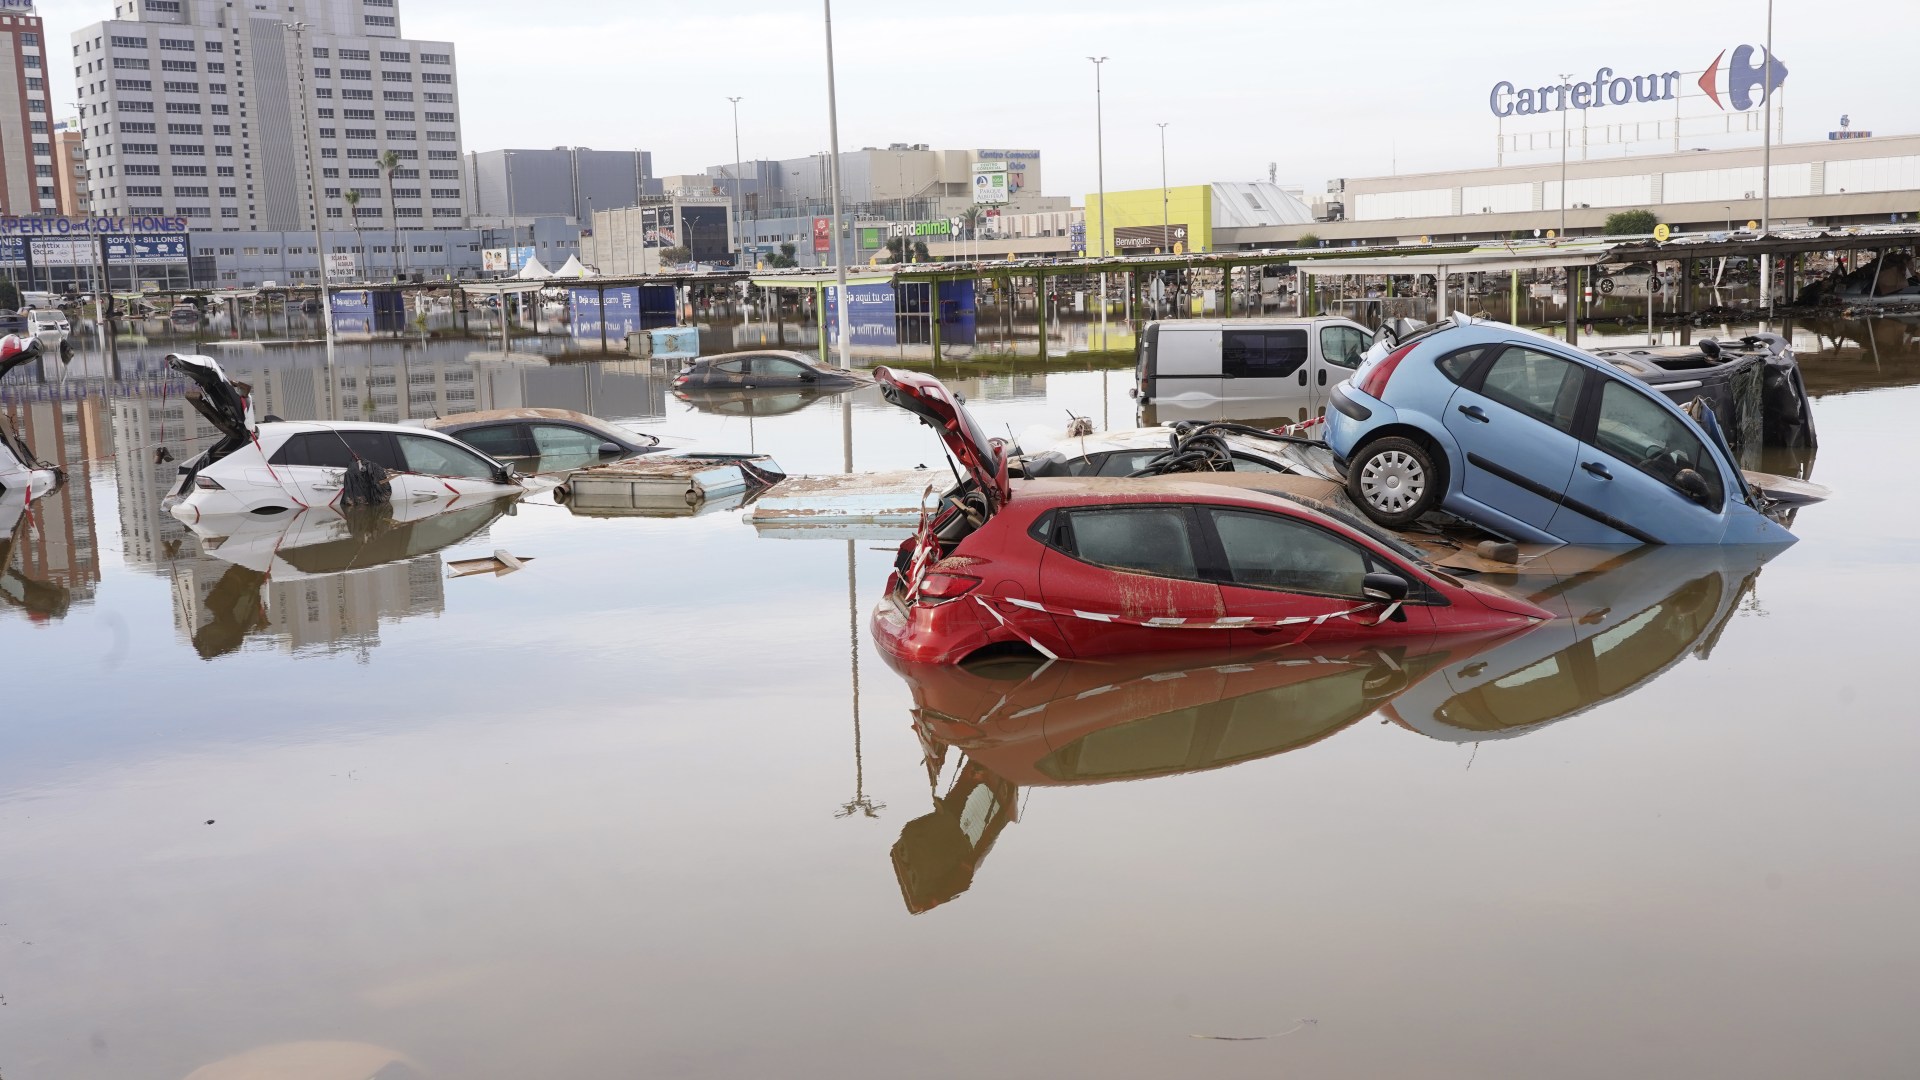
<point>1100,171</point>
<point>1566,89</point>
<point>299,30</point>
<point>833,148</point>
<point>733,189</point>
<point>1166,231</point>
<point>1766,167</point>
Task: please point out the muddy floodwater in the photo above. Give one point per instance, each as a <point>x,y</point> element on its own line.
<point>301,804</point>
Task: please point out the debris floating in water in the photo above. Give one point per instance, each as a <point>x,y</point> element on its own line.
<point>498,563</point>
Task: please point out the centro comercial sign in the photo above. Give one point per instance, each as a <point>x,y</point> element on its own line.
<point>1738,81</point>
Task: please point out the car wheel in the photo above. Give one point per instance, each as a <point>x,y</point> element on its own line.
<point>1393,480</point>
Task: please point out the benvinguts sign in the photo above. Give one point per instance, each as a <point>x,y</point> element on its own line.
<point>1738,81</point>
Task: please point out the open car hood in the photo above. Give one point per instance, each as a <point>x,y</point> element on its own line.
<point>928,398</point>
<point>227,405</point>
<point>15,350</point>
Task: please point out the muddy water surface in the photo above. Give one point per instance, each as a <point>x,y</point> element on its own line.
<point>654,806</point>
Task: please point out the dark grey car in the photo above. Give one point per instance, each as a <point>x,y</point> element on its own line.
<point>765,371</point>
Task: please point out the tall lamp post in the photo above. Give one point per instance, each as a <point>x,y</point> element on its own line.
<point>1566,90</point>
<point>299,30</point>
<point>1766,167</point>
<point>1100,171</point>
<point>733,189</point>
<point>833,162</point>
<point>1166,231</point>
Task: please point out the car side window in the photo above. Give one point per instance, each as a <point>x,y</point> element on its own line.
<point>437,457</point>
<point>1125,462</point>
<point>1149,539</point>
<point>1457,365</point>
<point>338,449</point>
<point>1344,346</point>
<point>1541,385</point>
<point>1274,552</point>
<point>497,440</point>
<point>1262,354</point>
<point>1638,430</point>
<point>560,440</point>
<point>730,367</point>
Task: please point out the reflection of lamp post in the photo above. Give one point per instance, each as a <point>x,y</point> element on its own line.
<point>1766,166</point>
<point>860,803</point>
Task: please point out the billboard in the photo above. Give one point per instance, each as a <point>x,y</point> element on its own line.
<point>1165,238</point>
<point>90,225</point>
<point>342,266</point>
<point>870,311</point>
<point>705,233</point>
<point>619,316</point>
<point>822,235</point>
<point>503,260</point>
<point>990,182</point>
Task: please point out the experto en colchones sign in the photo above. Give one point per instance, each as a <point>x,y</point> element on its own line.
<point>1742,83</point>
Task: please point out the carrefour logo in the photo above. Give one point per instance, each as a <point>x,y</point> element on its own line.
<point>1742,78</point>
<point>1737,82</point>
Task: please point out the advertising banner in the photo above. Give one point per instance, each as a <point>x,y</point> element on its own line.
<point>1128,239</point>
<point>620,315</point>
<point>870,311</point>
<point>822,235</point>
<point>493,260</point>
<point>990,182</point>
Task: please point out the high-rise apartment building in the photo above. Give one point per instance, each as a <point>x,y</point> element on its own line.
<point>205,109</point>
<point>69,169</point>
<point>26,128</point>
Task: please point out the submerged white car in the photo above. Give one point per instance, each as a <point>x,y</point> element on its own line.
<point>21,470</point>
<point>281,466</point>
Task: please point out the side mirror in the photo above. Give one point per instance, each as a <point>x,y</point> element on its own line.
<point>1384,588</point>
<point>1693,485</point>
<point>608,449</point>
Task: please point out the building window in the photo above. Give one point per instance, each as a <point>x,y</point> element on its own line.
<point>406,193</point>
<point>435,77</point>
<point>443,155</point>
<point>187,150</point>
<point>435,58</point>
<point>446,211</point>
<point>129,42</point>
<point>216,67</point>
<point>396,58</point>
<point>213,46</point>
<point>217,109</point>
<point>223,129</point>
<point>399,115</point>
<point>406,211</point>
<point>357,74</point>
<point>322,92</point>
<point>179,107</point>
<point>440,136</point>
<point>363,174</point>
<point>189,193</point>
<point>439,118</point>
<point>184,129</point>
<point>326,132</point>
<point>188,170</point>
<point>357,95</point>
<point>333,211</point>
<point>139,106</point>
<point>355,54</point>
<point>135,191</point>
<point>379,20</point>
<point>444,174</point>
<point>229,193</point>
<point>360,133</point>
<point>397,95</point>
<point>163,5</point>
<point>320,52</point>
<point>396,76</point>
<point>179,65</point>
<point>401,135</point>
<point>438,98</point>
<point>446,193</point>
<point>181,87</point>
<point>141,170</point>
<point>357,114</point>
<point>133,84</point>
<point>330,173</point>
<point>177,44</point>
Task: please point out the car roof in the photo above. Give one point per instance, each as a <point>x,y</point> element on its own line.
<point>292,427</point>
<point>1055,491</point>
<point>1252,323</point>
<point>784,354</point>
<point>494,416</point>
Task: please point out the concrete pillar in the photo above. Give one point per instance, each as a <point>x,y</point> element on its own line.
<point>1573,302</point>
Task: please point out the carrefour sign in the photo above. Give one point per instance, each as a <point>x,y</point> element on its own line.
<point>1737,82</point>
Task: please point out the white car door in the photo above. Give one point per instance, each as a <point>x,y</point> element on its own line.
<point>439,466</point>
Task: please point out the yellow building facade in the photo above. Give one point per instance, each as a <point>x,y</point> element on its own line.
<point>1135,223</point>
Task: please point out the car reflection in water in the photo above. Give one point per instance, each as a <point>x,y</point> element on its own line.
<point>43,601</point>
<point>290,556</point>
<point>753,402</point>
<point>1623,618</point>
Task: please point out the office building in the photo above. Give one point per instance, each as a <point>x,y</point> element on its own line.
<point>26,129</point>
<point>70,169</point>
<point>202,110</point>
<point>512,187</point>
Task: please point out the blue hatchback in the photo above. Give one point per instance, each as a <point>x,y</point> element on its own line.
<point>1536,441</point>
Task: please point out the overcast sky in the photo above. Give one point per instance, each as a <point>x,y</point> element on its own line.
<point>1322,89</point>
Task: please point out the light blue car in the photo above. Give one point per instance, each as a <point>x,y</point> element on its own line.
<point>1536,441</point>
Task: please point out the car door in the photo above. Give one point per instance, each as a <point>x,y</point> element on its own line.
<point>1266,367</point>
<point>1637,460</point>
<point>441,467</point>
<point>1185,376</point>
<point>1273,567</point>
<point>313,463</point>
<point>730,373</point>
<point>1342,347</point>
<point>1114,568</point>
<point>558,442</point>
<point>1513,420</point>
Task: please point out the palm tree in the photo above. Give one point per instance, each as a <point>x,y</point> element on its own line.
<point>359,241</point>
<point>390,161</point>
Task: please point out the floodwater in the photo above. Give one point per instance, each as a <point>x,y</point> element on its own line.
<point>654,806</point>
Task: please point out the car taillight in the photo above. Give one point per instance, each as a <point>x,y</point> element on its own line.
<point>1375,383</point>
<point>681,381</point>
<point>938,588</point>
<point>207,483</point>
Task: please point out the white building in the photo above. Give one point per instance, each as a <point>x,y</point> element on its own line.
<point>201,109</point>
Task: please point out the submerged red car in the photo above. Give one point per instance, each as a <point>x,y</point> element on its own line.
<point>1088,567</point>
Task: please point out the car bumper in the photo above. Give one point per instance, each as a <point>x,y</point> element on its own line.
<point>1353,415</point>
<point>938,634</point>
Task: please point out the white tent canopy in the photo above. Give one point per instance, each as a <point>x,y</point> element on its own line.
<point>574,269</point>
<point>533,270</point>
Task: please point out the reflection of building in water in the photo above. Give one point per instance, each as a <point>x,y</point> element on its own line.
<point>62,545</point>
<point>217,603</point>
<point>151,416</point>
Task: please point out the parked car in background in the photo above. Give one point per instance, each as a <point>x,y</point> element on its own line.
<point>14,322</point>
<point>765,371</point>
<point>278,466</point>
<point>1089,567</point>
<point>551,438</point>
<point>1231,369</point>
<point>48,321</point>
<point>1536,441</point>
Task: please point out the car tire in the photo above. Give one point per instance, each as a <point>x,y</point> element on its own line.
<point>1393,481</point>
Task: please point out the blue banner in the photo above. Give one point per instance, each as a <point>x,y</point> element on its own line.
<point>620,315</point>
<point>870,311</point>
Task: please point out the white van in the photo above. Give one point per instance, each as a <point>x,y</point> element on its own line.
<point>1244,369</point>
<point>47,321</point>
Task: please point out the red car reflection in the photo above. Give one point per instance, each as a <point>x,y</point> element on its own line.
<point>1090,567</point>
